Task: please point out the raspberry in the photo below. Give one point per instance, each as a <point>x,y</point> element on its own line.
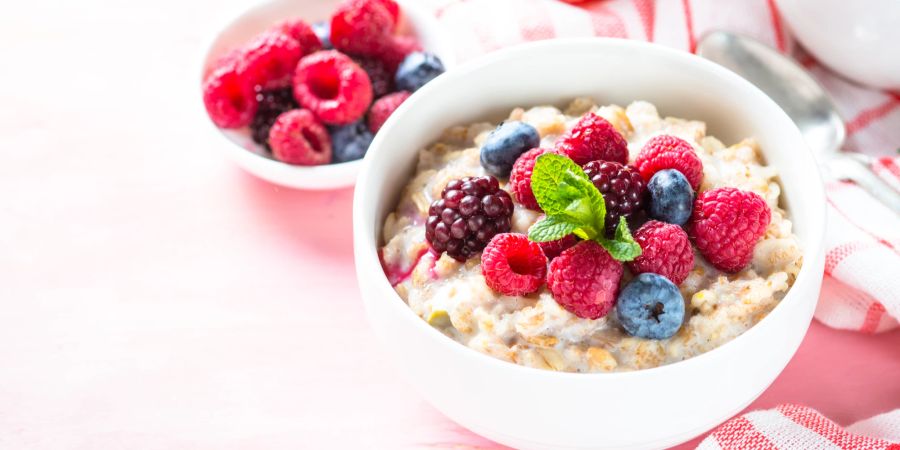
<point>272,103</point>
<point>384,107</point>
<point>271,58</point>
<point>397,50</point>
<point>520,178</point>
<point>382,79</point>
<point>666,251</point>
<point>333,87</point>
<point>229,99</point>
<point>233,57</point>
<point>393,9</point>
<point>303,33</point>
<point>362,27</point>
<point>670,152</point>
<point>512,265</point>
<point>726,224</point>
<point>593,138</point>
<point>622,188</point>
<point>552,249</point>
<point>470,212</point>
<point>585,280</point>
<point>297,138</point>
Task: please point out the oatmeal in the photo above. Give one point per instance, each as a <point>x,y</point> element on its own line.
<point>534,329</point>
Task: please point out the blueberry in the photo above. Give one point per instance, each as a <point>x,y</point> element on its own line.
<point>350,142</point>
<point>417,69</point>
<point>323,32</point>
<point>671,197</point>
<point>651,307</point>
<point>503,146</point>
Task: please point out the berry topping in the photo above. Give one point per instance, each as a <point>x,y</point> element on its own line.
<point>382,79</point>
<point>383,108</point>
<point>308,37</point>
<point>270,59</point>
<point>670,196</point>
<point>552,249</point>
<point>397,50</point>
<point>585,279</point>
<point>593,138</point>
<point>573,205</point>
<point>229,98</point>
<point>362,27</point>
<point>726,225</point>
<point>520,178</point>
<point>272,103</point>
<point>393,9</point>
<point>350,142</point>
<point>512,265</point>
<point>323,32</point>
<point>666,251</point>
<point>333,87</point>
<point>670,152</point>
<point>505,144</point>
<point>622,188</point>
<point>470,212</point>
<point>417,69</point>
<point>297,138</point>
<point>651,307</point>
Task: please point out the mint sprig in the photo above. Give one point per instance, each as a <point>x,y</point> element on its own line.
<point>573,204</point>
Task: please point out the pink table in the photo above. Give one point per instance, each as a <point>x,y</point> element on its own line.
<point>152,296</point>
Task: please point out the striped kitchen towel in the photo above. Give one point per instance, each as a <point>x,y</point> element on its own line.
<point>799,427</point>
<point>861,290</point>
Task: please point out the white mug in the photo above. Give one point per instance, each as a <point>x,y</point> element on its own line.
<point>858,39</point>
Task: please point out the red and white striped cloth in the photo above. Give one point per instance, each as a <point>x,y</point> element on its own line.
<point>861,289</point>
<point>799,427</point>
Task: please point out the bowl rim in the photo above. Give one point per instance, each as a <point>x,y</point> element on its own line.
<point>337,175</point>
<point>371,275</point>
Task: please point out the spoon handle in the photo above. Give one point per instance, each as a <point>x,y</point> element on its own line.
<point>856,168</point>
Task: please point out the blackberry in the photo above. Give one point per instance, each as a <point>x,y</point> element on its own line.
<point>622,188</point>
<point>470,212</point>
<point>382,79</point>
<point>272,102</point>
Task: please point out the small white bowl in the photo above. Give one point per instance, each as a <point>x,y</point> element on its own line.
<point>857,39</point>
<point>530,408</point>
<point>238,145</point>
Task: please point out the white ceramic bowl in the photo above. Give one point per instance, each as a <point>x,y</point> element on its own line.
<point>531,408</point>
<point>237,143</point>
<point>857,39</point>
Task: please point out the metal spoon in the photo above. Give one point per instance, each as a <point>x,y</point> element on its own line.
<point>804,101</point>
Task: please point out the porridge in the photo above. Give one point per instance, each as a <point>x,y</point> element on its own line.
<point>695,248</point>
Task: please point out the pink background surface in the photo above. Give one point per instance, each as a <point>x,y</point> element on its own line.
<point>153,296</point>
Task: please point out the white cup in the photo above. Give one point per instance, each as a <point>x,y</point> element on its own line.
<point>858,39</point>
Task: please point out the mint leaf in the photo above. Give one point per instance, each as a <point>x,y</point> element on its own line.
<point>557,182</point>
<point>622,247</point>
<point>550,229</point>
<point>562,189</point>
<point>574,205</point>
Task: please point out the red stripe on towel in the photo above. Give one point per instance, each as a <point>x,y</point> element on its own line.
<point>689,25</point>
